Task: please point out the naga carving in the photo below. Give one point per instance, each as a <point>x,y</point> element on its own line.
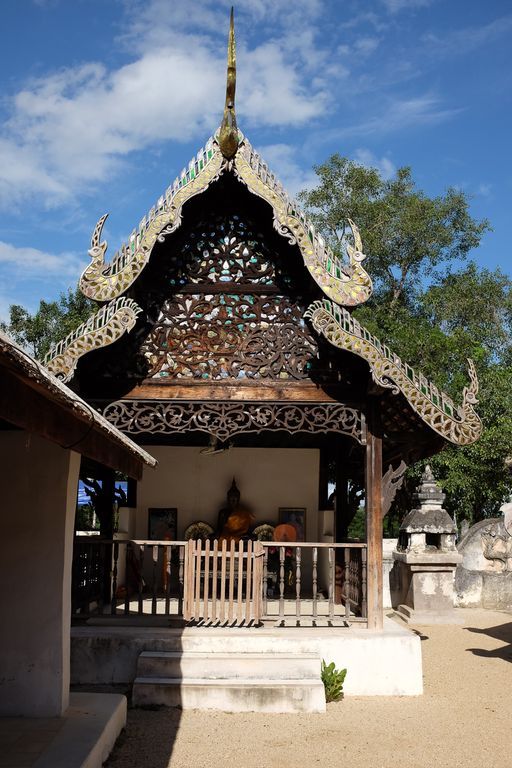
<point>344,284</point>
<point>460,425</point>
<point>103,282</point>
<point>392,481</point>
<point>103,328</point>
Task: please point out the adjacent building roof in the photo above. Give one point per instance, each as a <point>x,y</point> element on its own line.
<point>33,399</point>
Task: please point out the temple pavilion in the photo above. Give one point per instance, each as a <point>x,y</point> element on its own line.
<point>224,340</point>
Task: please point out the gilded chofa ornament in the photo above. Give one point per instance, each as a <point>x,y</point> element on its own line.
<point>459,425</point>
<point>103,328</point>
<point>228,132</point>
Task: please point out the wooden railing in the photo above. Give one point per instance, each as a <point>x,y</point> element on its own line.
<point>223,583</point>
<point>319,579</point>
<point>127,577</point>
<point>244,583</point>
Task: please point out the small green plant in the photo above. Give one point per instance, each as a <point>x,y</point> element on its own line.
<point>333,680</point>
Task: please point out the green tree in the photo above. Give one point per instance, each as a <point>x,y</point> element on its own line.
<point>52,321</point>
<point>434,308</point>
<point>408,234</point>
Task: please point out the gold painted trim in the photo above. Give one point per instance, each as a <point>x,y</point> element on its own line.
<point>105,282</point>
<point>103,328</point>
<point>460,425</point>
<point>348,285</point>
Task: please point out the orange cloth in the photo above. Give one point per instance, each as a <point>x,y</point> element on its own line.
<point>237,525</point>
<point>285,532</point>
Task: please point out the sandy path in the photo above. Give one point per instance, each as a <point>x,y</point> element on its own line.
<point>464,718</point>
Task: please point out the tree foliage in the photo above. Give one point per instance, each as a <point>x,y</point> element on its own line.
<point>408,234</point>
<point>51,322</point>
<point>434,308</point>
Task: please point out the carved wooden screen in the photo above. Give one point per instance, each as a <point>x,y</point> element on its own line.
<point>231,311</point>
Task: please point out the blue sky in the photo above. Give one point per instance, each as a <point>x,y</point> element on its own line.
<point>104,101</point>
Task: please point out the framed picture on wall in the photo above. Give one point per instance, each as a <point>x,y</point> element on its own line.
<point>162,523</point>
<point>295,516</point>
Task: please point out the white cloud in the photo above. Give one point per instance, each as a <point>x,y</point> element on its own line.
<point>359,49</point>
<point>485,189</point>
<point>362,19</point>
<point>32,263</point>
<point>75,127</point>
<point>23,174</point>
<point>398,115</point>
<point>395,6</point>
<point>463,40</point>
<point>366,45</point>
<point>294,175</point>
<point>383,164</point>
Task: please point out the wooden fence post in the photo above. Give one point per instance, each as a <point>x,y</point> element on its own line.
<point>373,466</point>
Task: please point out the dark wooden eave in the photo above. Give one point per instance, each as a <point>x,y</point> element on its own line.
<point>273,391</point>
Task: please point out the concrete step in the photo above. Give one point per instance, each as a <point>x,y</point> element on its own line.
<point>194,664</point>
<point>235,695</point>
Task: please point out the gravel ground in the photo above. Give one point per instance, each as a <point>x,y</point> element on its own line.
<point>463,718</point>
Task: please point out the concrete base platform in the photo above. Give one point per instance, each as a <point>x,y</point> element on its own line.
<point>410,616</point>
<point>230,682</point>
<point>92,724</point>
<point>236,695</point>
<point>83,738</point>
<point>383,663</point>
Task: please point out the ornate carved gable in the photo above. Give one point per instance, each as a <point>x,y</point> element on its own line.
<point>202,292</point>
<point>234,314</point>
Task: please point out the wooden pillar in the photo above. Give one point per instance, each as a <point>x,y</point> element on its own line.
<point>323,479</point>
<point>105,512</point>
<point>342,509</point>
<point>105,503</point>
<point>374,515</point>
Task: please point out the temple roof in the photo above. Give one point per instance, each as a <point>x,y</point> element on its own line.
<point>346,284</point>
<point>343,283</point>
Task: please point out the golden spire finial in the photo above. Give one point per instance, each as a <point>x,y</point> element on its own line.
<point>228,133</point>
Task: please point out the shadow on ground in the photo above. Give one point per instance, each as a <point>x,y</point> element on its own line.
<point>502,632</point>
<point>147,740</point>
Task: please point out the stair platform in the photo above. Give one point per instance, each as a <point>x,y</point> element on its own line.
<point>230,682</point>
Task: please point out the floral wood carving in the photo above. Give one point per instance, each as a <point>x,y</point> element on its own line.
<point>223,249</point>
<point>223,419</point>
<point>218,336</point>
<point>229,317</point>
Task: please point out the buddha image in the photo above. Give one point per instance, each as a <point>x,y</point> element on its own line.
<point>234,520</point>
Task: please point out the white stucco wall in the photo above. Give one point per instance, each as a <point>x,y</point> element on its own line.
<point>196,484</point>
<point>39,486</point>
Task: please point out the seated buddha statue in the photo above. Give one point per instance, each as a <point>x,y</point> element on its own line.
<point>234,520</point>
